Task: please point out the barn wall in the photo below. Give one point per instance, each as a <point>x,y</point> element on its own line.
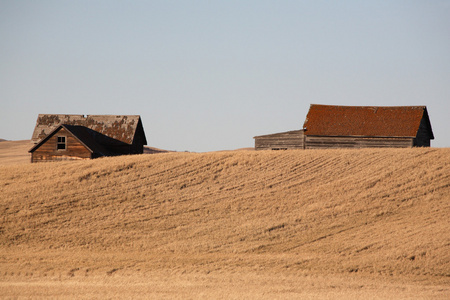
<point>280,141</point>
<point>423,137</point>
<point>137,147</point>
<point>48,152</point>
<point>323,142</point>
<point>138,141</point>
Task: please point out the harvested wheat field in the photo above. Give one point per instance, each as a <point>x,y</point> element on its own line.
<point>14,152</point>
<point>328,224</point>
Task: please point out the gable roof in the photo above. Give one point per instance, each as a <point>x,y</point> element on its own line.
<point>122,128</point>
<point>80,133</point>
<point>379,121</point>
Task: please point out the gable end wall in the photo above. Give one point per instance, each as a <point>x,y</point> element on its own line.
<point>423,138</point>
<point>48,152</point>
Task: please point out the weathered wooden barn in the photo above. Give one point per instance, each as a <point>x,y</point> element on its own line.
<point>331,126</point>
<point>66,137</point>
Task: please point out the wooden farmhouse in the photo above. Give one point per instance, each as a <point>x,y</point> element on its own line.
<point>67,137</point>
<point>331,126</point>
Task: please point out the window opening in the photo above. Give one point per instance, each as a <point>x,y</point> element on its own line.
<point>61,143</point>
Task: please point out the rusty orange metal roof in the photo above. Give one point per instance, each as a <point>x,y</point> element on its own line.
<point>372,121</point>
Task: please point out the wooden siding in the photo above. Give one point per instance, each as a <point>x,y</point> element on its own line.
<point>48,150</point>
<point>281,141</point>
<point>326,142</point>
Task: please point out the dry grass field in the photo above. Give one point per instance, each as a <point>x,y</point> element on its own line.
<point>328,224</point>
<point>14,152</point>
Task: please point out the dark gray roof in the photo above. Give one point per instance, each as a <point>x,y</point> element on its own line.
<point>292,132</point>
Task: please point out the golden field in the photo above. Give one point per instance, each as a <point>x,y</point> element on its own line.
<point>307,224</point>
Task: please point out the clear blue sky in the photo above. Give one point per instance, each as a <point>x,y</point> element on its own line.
<point>210,75</point>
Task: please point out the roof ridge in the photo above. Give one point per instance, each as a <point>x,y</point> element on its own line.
<point>369,106</point>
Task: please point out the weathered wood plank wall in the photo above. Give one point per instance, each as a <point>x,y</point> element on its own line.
<point>320,142</point>
<point>48,151</point>
<point>423,135</point>
<point>281,141</point>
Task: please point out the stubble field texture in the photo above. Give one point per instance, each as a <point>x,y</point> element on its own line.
<point>307,224</point>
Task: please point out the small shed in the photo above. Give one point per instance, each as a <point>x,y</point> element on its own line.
<point>280,141</point>
<point>331,126</point>
<point>66,137</point>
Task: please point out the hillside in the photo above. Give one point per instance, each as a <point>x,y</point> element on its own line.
<point>329,223</point>
<point>14,152</point>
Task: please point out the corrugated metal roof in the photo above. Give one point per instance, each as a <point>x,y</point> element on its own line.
<point>380,121</point>
<point>121,128</point>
